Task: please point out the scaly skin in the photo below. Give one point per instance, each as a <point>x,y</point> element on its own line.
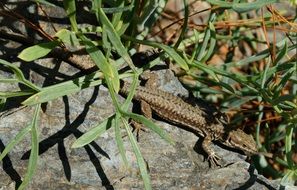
<point>208,124</point>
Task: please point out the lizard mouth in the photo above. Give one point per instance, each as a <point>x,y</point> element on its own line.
<point>249,151</point>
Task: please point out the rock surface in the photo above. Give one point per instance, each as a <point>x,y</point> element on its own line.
<point>99,166</point>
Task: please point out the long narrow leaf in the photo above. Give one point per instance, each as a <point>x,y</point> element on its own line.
<point>185,24</point>
<point>202,48</point>
<point>212,43</point>
<point>131,93</point>
<point>16,94</point>
<point>119,140</point>
<point>109,71</point>
<point>20,136</point>
<point>288,144</point>
<point>93,134</point>
<point>19,75</point>
<point>290,178</point>
<point>34,150</point>
<point>70,7</point>
<point>169,50</point>
<point>140,161</point>
<point>151,125</point>
<point>37,51</point>
<point>244,7</point>
<point>67,37</point>
<point>220,3</point>
<point>115,39</point>
<point>65,88</point>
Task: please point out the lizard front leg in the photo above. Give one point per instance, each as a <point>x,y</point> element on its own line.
<point>146,111</point>
<point>145,108</point>
<point>212,156</point>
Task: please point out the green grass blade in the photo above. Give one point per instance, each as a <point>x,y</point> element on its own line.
<point>131,92</point>
<point>19,75</point>
<point>283,98</point>
<point>90,29</point>
<point>140,161</point>
<point>119,141</point>
<point>116,19</point>
<point>174,55</point>
<point>149,11</point>
<point>15,141</point>
<point>115,39</point>
<point>15,94</point>
<point>151,125</point>
<point>285,78</point>
<point>34,150</point>
<point>235,103</point>
<point>67,37</point>
<point>185,24</point>
<point>169,50</point>
<point>37,51</point>
<point>122,25</point>
<point>257,57</point>
<point>212,42</point>
<point>3,80</point>
<point>70,8</point>
<point>288,144</point>
<point>93,133</point>
<point>202,49</point>
<point>272,70</point>
<point>210,82</point>
<point>223,4</point>
<point>118,9</point>
<point>283,51</point>
<point>290,178</point>
<point>116,79</point>
<point>109,71</point>
<point>64,88</point>
<point>2,103</point>
<point>96,5</point>
<point>245,7</point>
<point>241,7</point>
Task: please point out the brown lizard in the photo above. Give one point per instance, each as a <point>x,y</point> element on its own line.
<point>211,126</point>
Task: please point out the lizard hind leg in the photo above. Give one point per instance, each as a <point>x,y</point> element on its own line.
<point>137,127</point>
<point>147,112</point>
<point>213,158</point>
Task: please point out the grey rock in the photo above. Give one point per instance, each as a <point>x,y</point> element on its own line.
<point>99,165</point>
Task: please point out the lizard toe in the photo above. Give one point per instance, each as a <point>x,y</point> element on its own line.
<point>214,160</point>
<point>137,127</point>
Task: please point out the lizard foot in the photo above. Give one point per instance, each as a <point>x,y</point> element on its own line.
<point>214,160</point>
<point>137,127</point>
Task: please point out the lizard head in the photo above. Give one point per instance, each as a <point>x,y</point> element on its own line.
<point>240,140</point>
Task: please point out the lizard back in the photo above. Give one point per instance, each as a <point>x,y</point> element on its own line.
<point>174,109</point>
